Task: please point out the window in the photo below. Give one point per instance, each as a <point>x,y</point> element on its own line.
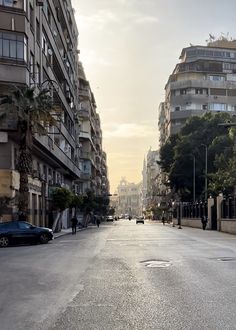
<point>31,68</point>
<point>13,46</point>
<point>201,91</point>
<point>177,108</point>
<point>24,225</point>
<point>231,92</point>
<point>217,106</point>
<point>217,78</point>
<point>218,91</point>
<point>204,107</point>
<point>31,17</point>
<point>37,31</point>
<point>12,3</point>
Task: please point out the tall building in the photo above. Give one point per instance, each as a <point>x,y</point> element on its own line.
<point>39,48</point>
<point>94,176</point>
<point>144,186</point>
<point>204,80</point>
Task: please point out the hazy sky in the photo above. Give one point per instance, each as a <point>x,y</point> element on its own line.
<point>129,48</point>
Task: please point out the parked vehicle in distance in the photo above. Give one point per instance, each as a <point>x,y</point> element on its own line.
<point>20,232</point>
<point>140,220</point>
<point>110,218</point>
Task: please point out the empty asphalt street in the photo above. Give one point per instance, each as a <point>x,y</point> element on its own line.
<point>121,276</point>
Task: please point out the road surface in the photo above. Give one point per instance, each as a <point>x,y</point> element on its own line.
<point>121,276</point>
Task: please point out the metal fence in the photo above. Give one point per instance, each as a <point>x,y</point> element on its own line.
<point>228,208</point>
<point>194,210</point>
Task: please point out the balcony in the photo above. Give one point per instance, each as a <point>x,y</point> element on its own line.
<point>84,135</point>
<point>54,152</point>
<point>84,93</point>
<point>85,155</point>
<point>200,83</point>
<point>85,176</point>
<point>84,113</point>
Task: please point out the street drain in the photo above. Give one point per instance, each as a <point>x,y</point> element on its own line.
<point>156,263</point>
<point>227,259</point>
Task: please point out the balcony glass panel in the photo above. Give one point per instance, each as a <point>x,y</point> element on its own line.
<point>13,4</point>
<point>13,46</point>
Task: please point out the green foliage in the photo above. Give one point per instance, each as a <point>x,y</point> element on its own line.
<point>33,114</point>
<point>4,203</point>
<point>97,204</point>
<point>62,198</point>
<point>178,153</point>
<point>76,201</point>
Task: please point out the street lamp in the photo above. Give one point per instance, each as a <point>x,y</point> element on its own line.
<point>194,178</point>
<point>206,170</point>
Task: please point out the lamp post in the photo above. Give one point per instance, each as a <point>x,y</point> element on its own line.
<point>194,179</point>
<point>206,170</point>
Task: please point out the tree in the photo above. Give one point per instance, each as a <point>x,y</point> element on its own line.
<point>178,153</point>
<point>33,113</point>
<point>4,203</point>
<point>62,198</point>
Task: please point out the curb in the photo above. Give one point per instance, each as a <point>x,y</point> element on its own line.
<point>67,233</point>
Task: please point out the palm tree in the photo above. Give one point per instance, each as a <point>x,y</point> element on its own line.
<point>33,113</point>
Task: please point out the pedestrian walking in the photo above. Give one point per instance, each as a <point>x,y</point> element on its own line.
<point>98,221</point>
<point>74,222</point>
<point>204,222</point>
<point>163,220</point>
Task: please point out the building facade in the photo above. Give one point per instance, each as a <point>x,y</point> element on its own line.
<point>94,176</point>
<point>204,80</point>
<point>129,198</point>
<point>39,48</point>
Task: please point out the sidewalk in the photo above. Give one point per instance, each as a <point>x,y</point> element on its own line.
<point>68,231</point>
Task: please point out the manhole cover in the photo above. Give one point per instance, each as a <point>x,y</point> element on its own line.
<point>227,259</point>
<point>156,263</point>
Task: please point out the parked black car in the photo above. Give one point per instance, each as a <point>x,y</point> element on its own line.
<point>23,232</point>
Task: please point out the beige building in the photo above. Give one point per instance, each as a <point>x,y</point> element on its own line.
<point>39,48</point>
<point>204,80</point>
<point>129,198</point>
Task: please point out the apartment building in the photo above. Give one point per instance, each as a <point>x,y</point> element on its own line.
<point>39,48</point>
<point>94,176</point>
<point>144,186</point>
<point>129,198</point>
<point>204,80</point>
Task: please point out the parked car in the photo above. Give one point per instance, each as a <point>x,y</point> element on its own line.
<point>110,218</point>
<point>140,220</point>
<point>23,232</point>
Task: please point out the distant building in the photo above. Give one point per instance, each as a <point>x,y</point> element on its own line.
<point>144,187</point>
<point>129,198</point>
<point>203,81</point>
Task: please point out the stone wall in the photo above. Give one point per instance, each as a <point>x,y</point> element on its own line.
<point>228,226</point>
